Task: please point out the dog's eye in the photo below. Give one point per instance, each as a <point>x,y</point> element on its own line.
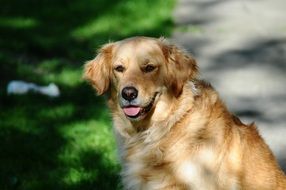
<point>149,68</point>
<point>119,68</point>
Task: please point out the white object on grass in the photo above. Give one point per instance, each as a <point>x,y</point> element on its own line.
<point>22,87</point>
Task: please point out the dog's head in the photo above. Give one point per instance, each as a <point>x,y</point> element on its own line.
<point>138,71</point>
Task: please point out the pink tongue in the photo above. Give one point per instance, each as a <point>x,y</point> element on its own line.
<point>131,111</point>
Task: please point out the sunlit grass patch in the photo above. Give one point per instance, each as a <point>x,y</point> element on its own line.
<point>90,150</point>
<point>69,77</point>
<point>57,112</point>
<point>93,134</point>
<point>128,17</point>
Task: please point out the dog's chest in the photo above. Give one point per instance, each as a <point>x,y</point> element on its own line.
<point>154,168</point>
<point>144,165</point>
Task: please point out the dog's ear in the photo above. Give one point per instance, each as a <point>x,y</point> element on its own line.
<point>180,66</point>
<point>98,70</point>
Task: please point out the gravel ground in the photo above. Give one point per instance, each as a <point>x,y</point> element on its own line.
<point>240,47</point>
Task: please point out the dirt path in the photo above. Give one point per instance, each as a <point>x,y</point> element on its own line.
<point>240,47</point>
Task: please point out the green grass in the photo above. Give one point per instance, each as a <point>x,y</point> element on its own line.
<point>65,142</point>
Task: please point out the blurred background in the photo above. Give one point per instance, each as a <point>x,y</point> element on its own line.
<point>240,46</point>
<point>66,142</point>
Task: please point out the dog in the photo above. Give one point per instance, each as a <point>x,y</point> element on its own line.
<point>172,129</point>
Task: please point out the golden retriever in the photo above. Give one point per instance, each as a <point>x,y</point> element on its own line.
<point>172,129</point>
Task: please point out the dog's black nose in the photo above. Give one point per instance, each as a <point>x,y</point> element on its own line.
<point>129,93</point>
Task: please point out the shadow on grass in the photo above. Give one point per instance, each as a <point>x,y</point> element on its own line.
<point>33,31</point>
<point>49,143</point>
<point>66,142</point>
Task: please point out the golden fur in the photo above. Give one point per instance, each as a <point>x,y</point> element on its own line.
<point>188,139</point>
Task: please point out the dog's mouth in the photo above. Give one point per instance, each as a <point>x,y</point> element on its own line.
<point>137,112</point>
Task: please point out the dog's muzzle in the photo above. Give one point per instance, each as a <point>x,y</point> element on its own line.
<point>137,112</point>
